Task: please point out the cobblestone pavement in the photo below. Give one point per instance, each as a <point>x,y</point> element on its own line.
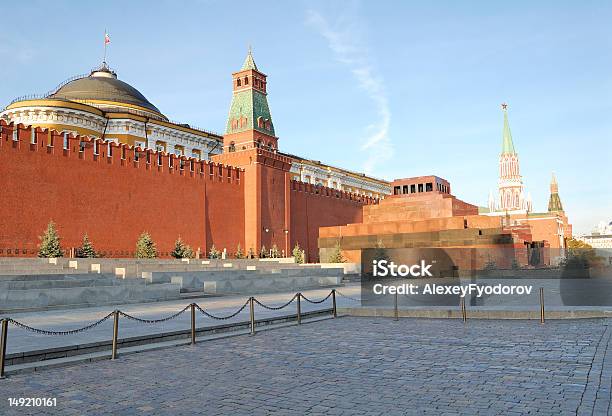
<point>348,366</point>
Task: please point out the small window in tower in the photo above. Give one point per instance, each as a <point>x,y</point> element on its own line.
<point>420,187</point>
<point>405,189</point>
<point>428,187</point>
<point>246,80</point>
<point>232,147</point>
<point>239,82</point>
<point>412,188</point>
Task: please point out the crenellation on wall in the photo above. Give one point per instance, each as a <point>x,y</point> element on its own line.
<point>325,191</point>
<point>97,150</point>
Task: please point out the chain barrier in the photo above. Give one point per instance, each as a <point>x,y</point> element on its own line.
<point>316,301</point>
<point>275,308</point>
<point>154,321</point>
<point>348,297</point>
<point>221,318</point>
<point>69,332</point>
<point>168,318</point>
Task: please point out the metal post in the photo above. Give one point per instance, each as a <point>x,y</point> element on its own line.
<point>463,310</point>
<point>193,324</point>
<point>115,335</point>
<point>252,308</point>
<point>5,322</point>
<point>334,303</point>
<point>396,311</point>
<point>541,305</point>
<point>299,308</point>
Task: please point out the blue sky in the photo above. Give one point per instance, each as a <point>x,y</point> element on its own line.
<point>393,88</point>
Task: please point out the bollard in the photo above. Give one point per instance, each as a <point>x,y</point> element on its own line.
<point>252,308</point>
<point>193,324</point>
<point>463,310</point>
<point>396,311</point>
<point>299,309</point>
<point>115,335</point>
<point>4,335</point>
<point>334,303</point>
<point>541,305</point>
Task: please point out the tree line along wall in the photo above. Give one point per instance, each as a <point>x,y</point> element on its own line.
<point>316,206</point>
<point>113,192</point>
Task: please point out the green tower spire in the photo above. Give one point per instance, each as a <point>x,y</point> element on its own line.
<point>554,202</point>
<point>249,109</point>
<point>507,144</point>
<point>249,62</point>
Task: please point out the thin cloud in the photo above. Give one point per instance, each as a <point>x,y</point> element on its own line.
<point>343,40</point>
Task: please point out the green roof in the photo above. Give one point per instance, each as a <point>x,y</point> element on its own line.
<point>250,104</point>
<point>507,144</point>
<point>249,62</point>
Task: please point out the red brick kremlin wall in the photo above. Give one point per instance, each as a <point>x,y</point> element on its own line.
<point>112,199</point>
<point>315,206</point>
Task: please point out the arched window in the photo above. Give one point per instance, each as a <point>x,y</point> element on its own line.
<point>246,80</point>
<point>239,82</point>
<point>258,143</point>
<point>232,147</point>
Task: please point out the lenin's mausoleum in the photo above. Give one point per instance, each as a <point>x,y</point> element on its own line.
<point>97,158</point>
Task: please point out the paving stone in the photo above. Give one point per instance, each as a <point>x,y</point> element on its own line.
<point>347,366</point>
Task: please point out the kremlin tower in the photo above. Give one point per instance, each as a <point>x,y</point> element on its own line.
<point>554,202</point>
<point>510,186</point>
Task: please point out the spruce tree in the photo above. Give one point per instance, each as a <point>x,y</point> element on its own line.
<point>179,249</point>
<point>87,249</point>
<point>298,255</point>
<point>263,253</point>
<point>251,253</point>
<point>239,252</point>
<point>188,252</point>
<point>274,253</point>
<point>145,247</point>
<point>336,255</point>
<point>50,243</point>
<point>214,253</point>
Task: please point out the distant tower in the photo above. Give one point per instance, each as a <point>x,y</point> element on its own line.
<point>554,202</point>
<point>511,194</point>
<point>249,124</point>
